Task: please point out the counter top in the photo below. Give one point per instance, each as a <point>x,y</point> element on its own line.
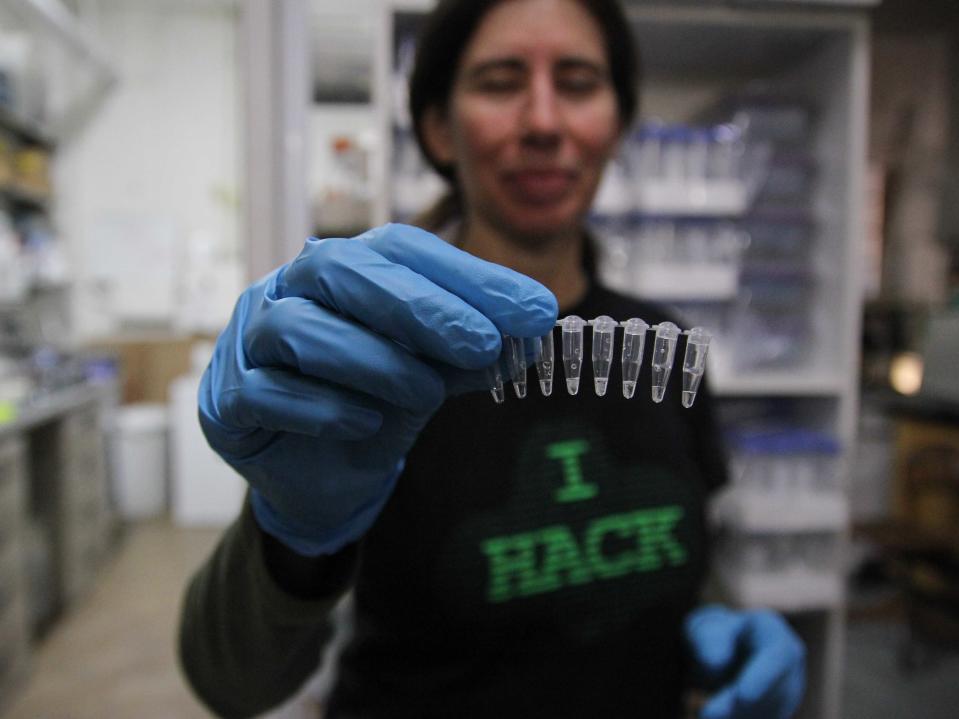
<point>56,403</point>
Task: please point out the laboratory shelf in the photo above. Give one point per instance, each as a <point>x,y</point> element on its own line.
<point>680,282</point>
<point>25,197</point>
<point>56,404</point>
<point>84,72</point>
<point>712,199</point>
<point>789,590</point>
<point>56,513</point>
<point>25,130</point>
<point>719,44</point>
<point>779,512</point>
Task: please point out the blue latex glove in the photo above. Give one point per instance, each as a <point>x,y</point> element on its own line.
<point>331,365</point>
<point>754,659</point>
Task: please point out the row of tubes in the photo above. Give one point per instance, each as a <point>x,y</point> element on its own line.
<point>516,349</point>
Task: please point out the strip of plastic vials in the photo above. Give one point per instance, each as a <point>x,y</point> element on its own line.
<point>517,352</point>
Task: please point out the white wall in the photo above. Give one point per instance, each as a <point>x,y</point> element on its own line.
<point>157,167</point>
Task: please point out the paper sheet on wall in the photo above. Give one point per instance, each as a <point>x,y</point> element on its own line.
<point>135,258</point>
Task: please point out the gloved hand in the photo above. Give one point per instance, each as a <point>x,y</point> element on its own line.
<point>331,365</point>
<point>753,659</point>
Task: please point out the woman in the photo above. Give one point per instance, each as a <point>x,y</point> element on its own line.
<point>538,558</point>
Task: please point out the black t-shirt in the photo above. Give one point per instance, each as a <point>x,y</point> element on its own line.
<point>537,557</point>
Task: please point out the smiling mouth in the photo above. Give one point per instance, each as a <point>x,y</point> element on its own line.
<point>541,186</point>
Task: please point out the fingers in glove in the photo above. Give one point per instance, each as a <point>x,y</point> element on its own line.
<point>422,292</point>
<point>281,401</point>
<point>736,701</point>
<point>775,655</point>
<point>298,335</point>
<point>461,381</point>
<point>517,304</point>
<point>770,682</point>
<point>713,633</point>
<point>394,301</point>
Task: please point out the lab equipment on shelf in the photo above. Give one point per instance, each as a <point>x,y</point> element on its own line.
<point>673,169</point>
<point>781,518</point>
<point>671,258</point>
<point>794,571</point>
<point>517,352</point>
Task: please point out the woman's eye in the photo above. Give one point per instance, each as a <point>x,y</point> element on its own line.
<point>498,84</point>
<point>579,84</point>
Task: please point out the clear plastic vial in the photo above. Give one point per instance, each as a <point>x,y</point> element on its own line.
<point>604,333</point>
<point>664,352</point>
<point>634,341</point>
<point>494,380</point>
<point>572,351</point>
<point>543,357</point>
<point>515,350</point>
<point>694,363</point>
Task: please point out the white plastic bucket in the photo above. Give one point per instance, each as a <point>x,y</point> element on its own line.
<point>140,463</point>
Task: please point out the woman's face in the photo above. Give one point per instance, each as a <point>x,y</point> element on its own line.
<point>532,118</point>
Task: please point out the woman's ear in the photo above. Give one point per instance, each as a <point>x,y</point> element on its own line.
<point>437,135</point>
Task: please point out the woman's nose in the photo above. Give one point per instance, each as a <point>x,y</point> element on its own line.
<point>542,113</point>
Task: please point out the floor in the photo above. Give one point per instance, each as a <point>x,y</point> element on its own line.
<point>130,618</point>
<point>876,687</point>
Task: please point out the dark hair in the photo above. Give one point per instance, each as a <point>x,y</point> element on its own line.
<point>446,33</point>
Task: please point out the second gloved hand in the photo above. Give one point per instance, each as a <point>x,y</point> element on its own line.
<point>752,659</point>
<point>331,365</point>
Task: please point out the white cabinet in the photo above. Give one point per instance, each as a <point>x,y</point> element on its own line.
<point>785,534</point>
<point>56,519</point>
<point>14,627</point>
<point>694,59</point>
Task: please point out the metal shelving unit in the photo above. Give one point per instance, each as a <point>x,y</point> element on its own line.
<point>55,91</point>
<point>54,492</point>
<point>71,56</point>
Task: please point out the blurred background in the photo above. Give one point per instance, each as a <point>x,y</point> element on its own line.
<point>792,185</point>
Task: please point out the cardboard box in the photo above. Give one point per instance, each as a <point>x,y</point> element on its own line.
<point>148,364</point>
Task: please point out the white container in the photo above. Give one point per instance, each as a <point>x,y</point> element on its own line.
<point>205,491</point>
<point>140,464</point>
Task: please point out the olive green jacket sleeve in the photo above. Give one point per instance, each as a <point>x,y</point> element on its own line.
<point>245,644</point>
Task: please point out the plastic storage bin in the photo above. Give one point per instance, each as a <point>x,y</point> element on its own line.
<point>205,490</point>
<point>140,464</point>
